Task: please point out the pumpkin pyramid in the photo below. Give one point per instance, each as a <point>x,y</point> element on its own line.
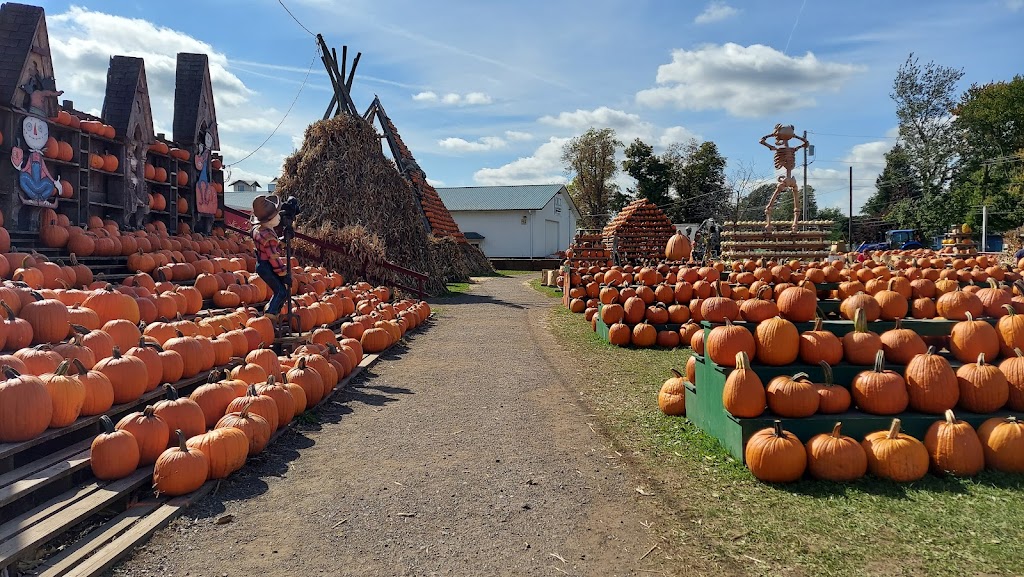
<point>638,232</point>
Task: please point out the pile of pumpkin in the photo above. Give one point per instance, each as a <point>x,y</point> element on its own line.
<point>209,434</point>
<point>950,446</point>
<point>635,303</point>
<point>118,350</point>
<point>104,238</point>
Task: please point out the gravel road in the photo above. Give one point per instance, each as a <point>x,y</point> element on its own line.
<point>465,453</point>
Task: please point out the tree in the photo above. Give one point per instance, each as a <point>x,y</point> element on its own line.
<point>590,157</point>
<point>653,175</point>
<point>840,222</point>
<point>698,177</point>
<point>898,181</point>
<point>926,99</point>
<point>991,118</point>
<point>752,206</point>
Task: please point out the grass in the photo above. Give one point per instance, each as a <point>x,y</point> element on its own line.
<point>938,526</point>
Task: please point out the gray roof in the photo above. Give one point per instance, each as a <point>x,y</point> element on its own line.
<point>240,200</point>
<point>474,236</point>
<point>519,197</point>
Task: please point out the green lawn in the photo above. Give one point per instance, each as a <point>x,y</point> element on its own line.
<point>939,526</point>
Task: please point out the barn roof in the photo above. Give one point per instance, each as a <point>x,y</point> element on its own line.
<point>517,197</point>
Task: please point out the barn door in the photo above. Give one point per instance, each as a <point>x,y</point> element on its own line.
<point>551,237</point>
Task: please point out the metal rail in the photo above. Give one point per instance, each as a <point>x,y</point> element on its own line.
<point>420,279</point>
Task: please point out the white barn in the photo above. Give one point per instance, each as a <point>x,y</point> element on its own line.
<point>524,221</point>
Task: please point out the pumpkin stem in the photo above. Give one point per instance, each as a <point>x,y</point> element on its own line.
<point>148,412</point>
<point>181,440</point>
<point>835,430</point>
<point>9,372</point>
<point>1010,311</point>
<point>62,368</point>
<point>117,352</point>
<point>10,313</point>
<point>931,350</point>
<point>171,392</point>
<point>37,296</point>
<point>970,317</point>
<point>860,320</point>
<point>880,361</point>
<point>950,418</point>
<point>676,373</point>
<point>777,429</point>
<point>145,343</point>
<point>894,429</point>
<point>981,359</point>
<point>1018,351</point>
<point>826,369</point>
<point>270,380</point>
<point>79,367</point>
<point>107,424</point>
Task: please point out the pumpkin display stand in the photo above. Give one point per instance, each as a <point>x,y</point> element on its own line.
<point>704,400</point>
<point>748,240</point>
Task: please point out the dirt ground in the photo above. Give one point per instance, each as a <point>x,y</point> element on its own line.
<point>466,453</point>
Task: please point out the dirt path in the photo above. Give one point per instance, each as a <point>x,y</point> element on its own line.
<point>463,455</point>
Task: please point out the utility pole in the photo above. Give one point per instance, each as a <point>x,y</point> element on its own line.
<point>984,228</point>
<point>851,208</point>
<point>806,146</point>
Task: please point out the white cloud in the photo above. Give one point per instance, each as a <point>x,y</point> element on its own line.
<point>454,98</point>
<point>754,80</point>
<point>715,12</point>
<point>82,40</point>
<point>832,185</point>
<point>436,183</point>
<point>477,98</point>
<point>516,136</point>
<point>482,145</point>
<point>543,167</point>
<point>627,126</point>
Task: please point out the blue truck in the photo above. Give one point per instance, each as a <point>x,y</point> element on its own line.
<point>903,239</point>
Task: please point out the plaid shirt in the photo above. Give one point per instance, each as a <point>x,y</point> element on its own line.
<point>268,248</point>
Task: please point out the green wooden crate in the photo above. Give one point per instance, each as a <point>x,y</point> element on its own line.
<point>704,408</point>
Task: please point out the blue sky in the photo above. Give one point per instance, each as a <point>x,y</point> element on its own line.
<point>487,92</point>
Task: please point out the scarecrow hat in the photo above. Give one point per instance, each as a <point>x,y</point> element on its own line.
<point>264,208</point>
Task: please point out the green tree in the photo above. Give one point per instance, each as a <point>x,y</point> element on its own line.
<point>991,118</point>
<point>653,175</point>
<point>698,178</point>
<point>590,158</point>
<point>840,221</point>
<point>898,181</point>
<point>926,99</point>
<point>752,206</point>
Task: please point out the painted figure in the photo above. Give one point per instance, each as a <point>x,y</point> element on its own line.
<point>206,197</point>
<point>33,177</point>
<point>785,158</point>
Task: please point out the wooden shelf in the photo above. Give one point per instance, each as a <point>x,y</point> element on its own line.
<point>104,172</point>
<point>157,182</point>
<point>106,205</point>
<point>62,162</point>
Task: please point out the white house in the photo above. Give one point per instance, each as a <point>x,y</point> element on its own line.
<point>524,221</point>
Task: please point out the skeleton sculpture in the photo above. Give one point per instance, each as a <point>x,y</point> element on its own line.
<point>785,158</point>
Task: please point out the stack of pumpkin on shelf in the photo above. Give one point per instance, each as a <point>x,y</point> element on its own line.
<point>628,299</point>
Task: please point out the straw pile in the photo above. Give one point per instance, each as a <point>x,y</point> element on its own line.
<point>353,196</point>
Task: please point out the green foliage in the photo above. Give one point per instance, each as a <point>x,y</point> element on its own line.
<point>590,158</point>
<point>653,175</point>
<point>698,177</point>
<point>752,206</point>
<point>925,97</point>
<point>898,181</point>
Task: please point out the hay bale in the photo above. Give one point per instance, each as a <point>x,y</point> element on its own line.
<point>350,192</point>
<point>475,260</point>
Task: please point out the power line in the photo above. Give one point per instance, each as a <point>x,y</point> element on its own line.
<point>287,112</point>
<point>281,2</point>
<point>852,135</point>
